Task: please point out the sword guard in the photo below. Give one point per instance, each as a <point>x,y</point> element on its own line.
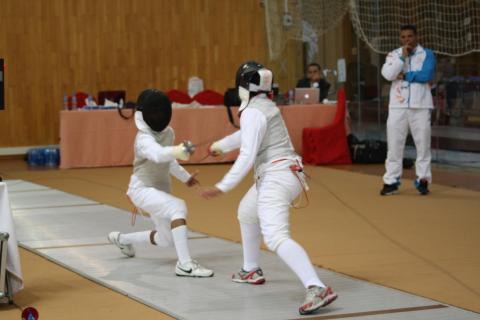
<point>189,146</point>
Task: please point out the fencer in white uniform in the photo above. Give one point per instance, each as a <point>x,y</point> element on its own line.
<point>149,188</point>
<point>410,68</point>
<point>264,210</point>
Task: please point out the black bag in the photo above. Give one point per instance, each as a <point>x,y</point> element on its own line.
<point>367,151</point>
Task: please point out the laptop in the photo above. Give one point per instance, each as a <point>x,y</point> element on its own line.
<point>307,95</point>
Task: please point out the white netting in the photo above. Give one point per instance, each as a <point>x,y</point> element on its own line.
<point>303,20</point>
<point>450,27</point>
<point>446,26</point>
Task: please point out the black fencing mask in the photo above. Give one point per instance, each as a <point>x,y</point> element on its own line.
<point>156,109</point>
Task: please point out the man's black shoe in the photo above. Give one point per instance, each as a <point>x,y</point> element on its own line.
<point>389,189</point>
<point>422,186</point>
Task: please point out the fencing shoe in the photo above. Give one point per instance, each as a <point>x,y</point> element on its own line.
<point>126,249</point>
<point>316,298</point>
<point>254,276</point>
<point>192,269</point>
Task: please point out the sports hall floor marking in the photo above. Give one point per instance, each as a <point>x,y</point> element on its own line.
<point>59,206</point>
<point>100,244</point>
<point>377,312</point>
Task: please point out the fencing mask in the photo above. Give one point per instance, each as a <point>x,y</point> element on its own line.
<point>156,109</point>
<point>252,78</point>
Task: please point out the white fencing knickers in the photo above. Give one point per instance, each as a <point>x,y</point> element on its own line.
<point>267,202</point>
<point>400,120</point>
<point>163,209</point>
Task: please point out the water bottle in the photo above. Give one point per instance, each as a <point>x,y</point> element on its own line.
<point>35,157</point>
<point>290,96</point>
<point>65,102</point>
<point>51,157</point>
<point>74,102</point>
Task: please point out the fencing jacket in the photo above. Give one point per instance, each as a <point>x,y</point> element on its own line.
<point>262,138</point>
<point>154,161</point>
<point>418,69</point>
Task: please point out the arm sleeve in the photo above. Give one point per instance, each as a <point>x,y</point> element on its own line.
<point>393,66</point>
<point>324,90</point>
<point>179,172</point>
<point>427,71</point>
<point>303,83</point>
<point>253,127</point>
<point>146,147</point>
<point>231,142</point>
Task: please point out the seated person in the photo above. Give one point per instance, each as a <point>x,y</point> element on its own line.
<point>314,79</point>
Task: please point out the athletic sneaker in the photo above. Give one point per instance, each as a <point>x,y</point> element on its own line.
<point>126,249</point>
<point>253,277</point>
<point>316,298</point>
<point>389,189</point>
<point>192,269</point>
<point>422,186</point>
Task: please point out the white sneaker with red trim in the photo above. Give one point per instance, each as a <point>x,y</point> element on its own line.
<point>316,298</point>
<point>254,276</point>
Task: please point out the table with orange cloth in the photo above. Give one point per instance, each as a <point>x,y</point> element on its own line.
<point>102,138</point>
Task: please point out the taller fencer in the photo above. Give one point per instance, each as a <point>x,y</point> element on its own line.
<point>264,210</point>
<point>149,187</point>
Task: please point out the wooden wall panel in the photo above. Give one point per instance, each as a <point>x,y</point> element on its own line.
<point>52,47</point>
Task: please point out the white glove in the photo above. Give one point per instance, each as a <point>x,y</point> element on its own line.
<point>181,152</point>
<point>215,149</point>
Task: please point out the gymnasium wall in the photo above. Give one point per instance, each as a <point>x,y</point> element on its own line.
<point>53,47</point>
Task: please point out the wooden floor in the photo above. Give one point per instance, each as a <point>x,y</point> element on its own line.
<point>424,245</point>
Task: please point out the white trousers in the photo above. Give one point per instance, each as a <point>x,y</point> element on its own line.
<point>400,121</point>
<point>267,203</point>
<point>162,207</point>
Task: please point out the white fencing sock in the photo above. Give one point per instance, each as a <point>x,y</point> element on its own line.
<point>296,258</point>
<point>135,237</point>
<point>181,245</point>
<point>251,238</point>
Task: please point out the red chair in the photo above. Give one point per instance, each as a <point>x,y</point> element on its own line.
<point>112,95</point>
<point>209,98</point>
<point>328,145</point>
<point>179,96</point>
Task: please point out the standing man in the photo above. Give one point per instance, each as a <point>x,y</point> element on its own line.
<point>410,68</point>
<point>314,79</point>
<point>265,145</point>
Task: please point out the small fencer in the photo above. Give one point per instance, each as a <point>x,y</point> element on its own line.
<point>149,187</point>
<point>265,144</point>
<point>410,68</point>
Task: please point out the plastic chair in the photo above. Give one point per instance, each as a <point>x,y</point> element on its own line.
<point>209,98</point>
<point>114,95</point>
<point>179,96</point>
<point>328,145</point>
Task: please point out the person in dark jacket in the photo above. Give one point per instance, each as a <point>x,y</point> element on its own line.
<point>314,79</point>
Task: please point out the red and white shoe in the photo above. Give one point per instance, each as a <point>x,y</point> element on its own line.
<point>254,276</point>
<point>316,298</point>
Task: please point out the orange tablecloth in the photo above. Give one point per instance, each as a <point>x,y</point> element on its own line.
<point>102,138</point>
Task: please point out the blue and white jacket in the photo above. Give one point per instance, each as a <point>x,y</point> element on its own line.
<point>418,69</point>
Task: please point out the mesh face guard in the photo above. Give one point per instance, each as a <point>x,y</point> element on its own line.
<point>156,109</point>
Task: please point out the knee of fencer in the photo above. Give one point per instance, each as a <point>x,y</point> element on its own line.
<point>178,210</point>
<point>273,241</point>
